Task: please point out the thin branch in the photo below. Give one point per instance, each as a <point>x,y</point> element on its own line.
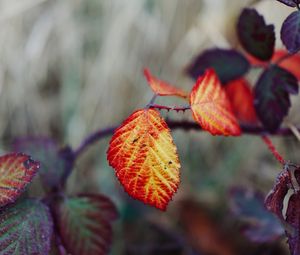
<point>181,125</point>
<point>170,108</point>
<point>273,149</point>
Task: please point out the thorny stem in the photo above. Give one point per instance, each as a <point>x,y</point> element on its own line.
<point>181,125</point>
<point>169,108</point>
<point>273,150</point>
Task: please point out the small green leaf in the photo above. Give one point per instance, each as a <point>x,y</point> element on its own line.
<point>25,229</point>
<point>16,171</point>
<point>85,224</point>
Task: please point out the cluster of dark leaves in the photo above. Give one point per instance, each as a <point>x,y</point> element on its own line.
<point>271,91</point>
<point>275,84</point>
<point>76,224</point>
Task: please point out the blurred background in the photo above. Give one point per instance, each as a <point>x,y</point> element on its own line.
<point>68,68</point>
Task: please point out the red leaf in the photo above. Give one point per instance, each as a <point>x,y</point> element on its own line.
<point>16,171</point>
<point>145,158</point>
<point>242,99</point>
<point>211,107</point>
<point>291,64</point>
<point>163,88</point>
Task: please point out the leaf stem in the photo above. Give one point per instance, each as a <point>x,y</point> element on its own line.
<point>180,125</point>
<point>170,108</point>
<point>273,150</point>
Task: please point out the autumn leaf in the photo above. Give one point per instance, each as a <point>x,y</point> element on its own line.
<point>242,100</point>
<point>25,228</point>
<point>291,64</point>
<point>16,171</point>
<point>84,223</point>
<point>211,107</point>
<point>145,158</point>
<point>163,88</point>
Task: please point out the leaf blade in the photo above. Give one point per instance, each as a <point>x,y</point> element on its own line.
<point>163,88</point>
<point>145,158</point>
<point>271,94</point>
<point>290,32</point>
<point>16,172</point>
<point>25,228</point>
<point>84,223</point>
<point>228,64</point>
<point>242,100</point>
<point>256,37</point>
<point>211,108</point>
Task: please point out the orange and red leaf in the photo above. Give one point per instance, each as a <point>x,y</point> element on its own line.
<point>241,97</point>
<point>211,107</point>
<point>16,172</point>
<point>145,158</point>
<point>163,88</point>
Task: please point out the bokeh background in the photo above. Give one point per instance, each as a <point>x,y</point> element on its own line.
<point>69,68</point>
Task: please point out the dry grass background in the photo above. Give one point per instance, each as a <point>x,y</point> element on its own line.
<point>68,68</point>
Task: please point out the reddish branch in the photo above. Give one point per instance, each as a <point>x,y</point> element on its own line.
<point>272,149</point>
<point>181,125</point>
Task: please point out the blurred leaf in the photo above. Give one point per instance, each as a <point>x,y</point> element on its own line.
<point>228,64</point>
<point>25,229</point>
<point>293,219</point>
<point>291,3</point>
<point>291,64</point>
<point>242,100</point>
<point>55,163</point>
<point>272,100</point>
<point>84,224</point>
<point>274,200</point>
<point>211,108</point>
<point>163,88</point>
<point>204,232</point>
<point>260,224</point>
<point>256,37</point>
<point>145,158</point>
<point>290,32</point>
<point>288,180</point>
<point>16,171</point>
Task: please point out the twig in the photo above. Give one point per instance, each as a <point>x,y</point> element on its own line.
<point>181,125</point>
<point>273,150</point>
<point>295,131</point>
<point>169,108</point>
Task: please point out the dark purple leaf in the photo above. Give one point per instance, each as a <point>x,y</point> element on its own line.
<point>272,100</point>
<point>274,200</point>
<point>260,224</point>
<point>293,219</point>
<point>84,223</point>
<point>228,64</point>
<point>26,229</point>
<point>256,37</point>
<point>290,32</point>
<point>284,201</point>
<point>291,3</point>
<point>55,163</point>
